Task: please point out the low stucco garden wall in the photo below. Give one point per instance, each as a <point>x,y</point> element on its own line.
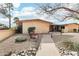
<point>6,33</point>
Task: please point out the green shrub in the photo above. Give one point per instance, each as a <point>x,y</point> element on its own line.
<point>20,39</point>
<point>31,29</point>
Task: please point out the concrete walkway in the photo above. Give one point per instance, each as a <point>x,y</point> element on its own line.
<point>47,47</point>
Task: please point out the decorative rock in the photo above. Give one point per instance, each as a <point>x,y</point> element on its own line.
<point>73,53</point>
<point>13,54</point>
<point>64,52</point>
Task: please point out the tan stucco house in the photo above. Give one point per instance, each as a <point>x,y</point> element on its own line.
<point>40,25</point>
<point>43,26</point>
<point>72,27</point>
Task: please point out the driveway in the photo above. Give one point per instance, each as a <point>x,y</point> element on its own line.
<point>75,37</point>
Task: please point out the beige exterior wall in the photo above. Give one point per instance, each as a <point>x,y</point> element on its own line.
<point>71,27</point>
<point>41,26</point>
<point>5,33</point>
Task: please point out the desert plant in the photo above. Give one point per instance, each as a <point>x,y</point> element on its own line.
<point>77,48</point>
<point>69,45</point>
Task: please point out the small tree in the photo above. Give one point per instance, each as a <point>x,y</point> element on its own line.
<point>5,10</point>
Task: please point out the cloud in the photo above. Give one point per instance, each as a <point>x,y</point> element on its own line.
<point>73,6</point>
<point>4,21</point>
<point>16,5</point>
<point>26,11</point>
<point>16,13</point>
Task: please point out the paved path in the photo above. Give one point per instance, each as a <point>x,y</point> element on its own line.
<point>47,47</point>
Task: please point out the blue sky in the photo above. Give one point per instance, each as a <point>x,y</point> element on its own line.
<point>28,11</point>
<point>22,5</point>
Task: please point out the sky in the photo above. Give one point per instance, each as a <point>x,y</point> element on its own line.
<point>28,11</point>
<point>21,10</point>
<point>24,10</point>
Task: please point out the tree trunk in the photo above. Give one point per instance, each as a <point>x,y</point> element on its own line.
<point>9,17</point>
<point>9,22</point>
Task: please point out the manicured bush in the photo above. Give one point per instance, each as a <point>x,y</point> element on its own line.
<point>31,29</point>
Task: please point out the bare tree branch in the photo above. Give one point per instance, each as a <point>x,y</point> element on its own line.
<point>50,10</point>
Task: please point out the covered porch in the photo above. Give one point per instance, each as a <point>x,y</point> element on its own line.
<point>56,28</point>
